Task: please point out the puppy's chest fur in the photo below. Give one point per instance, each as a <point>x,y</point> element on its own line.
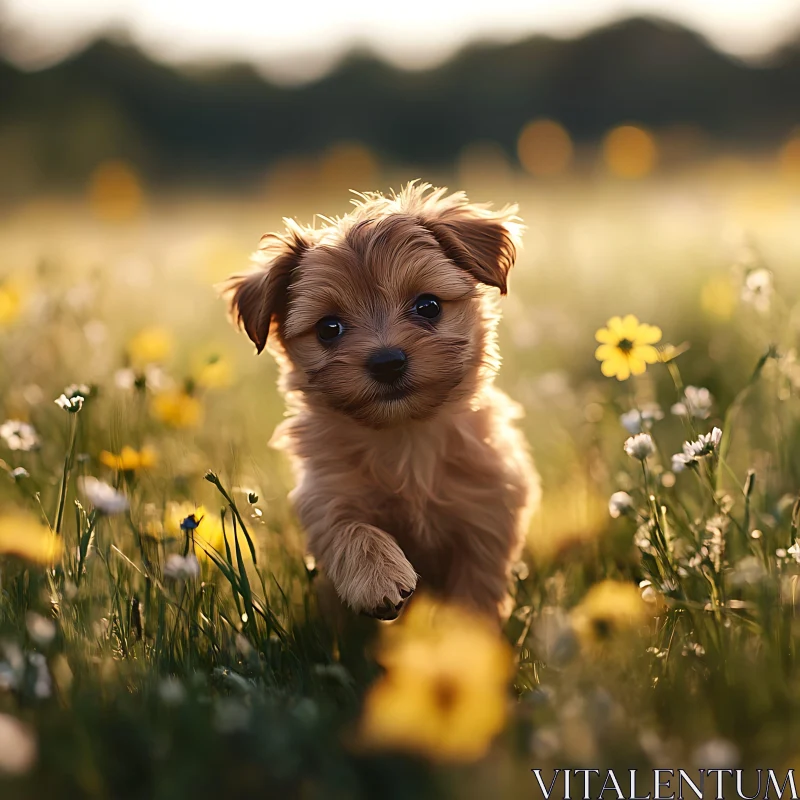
<point>428,484</point>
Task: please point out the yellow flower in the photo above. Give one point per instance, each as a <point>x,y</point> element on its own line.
<point>214,372</point>
<point>177,408</point>
<point>150,346</point>
<point>129,460</point>
<point>24,536</point>
<point>609,608</point>
<point>206,528</point>
<point>626,347</point>
<point>444,690</point>
<point>10,303</point>
<point>718,299</point>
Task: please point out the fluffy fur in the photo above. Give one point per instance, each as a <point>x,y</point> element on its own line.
<point>425,481</point>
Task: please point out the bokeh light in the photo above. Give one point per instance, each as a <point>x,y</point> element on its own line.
<point>789,158</point>
<point>349,165</point>
<point>115,192</point>
<point>544,148</point>
<point>630,151</point>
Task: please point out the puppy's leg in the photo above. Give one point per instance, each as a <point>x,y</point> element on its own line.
<point>478,574</point>
<point>367,567</point>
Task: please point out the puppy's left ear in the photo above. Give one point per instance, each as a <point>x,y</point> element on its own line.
<point>479,240</point>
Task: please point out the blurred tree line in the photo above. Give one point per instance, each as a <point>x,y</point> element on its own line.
<point>224,123</point>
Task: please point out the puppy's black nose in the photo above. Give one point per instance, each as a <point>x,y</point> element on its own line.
<point>387,365</point>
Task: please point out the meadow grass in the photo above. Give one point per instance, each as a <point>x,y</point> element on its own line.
<point>159,633</point>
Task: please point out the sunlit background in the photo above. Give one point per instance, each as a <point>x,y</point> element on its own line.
<point>145,147</point>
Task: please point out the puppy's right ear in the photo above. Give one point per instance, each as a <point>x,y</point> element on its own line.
<point>257,300</point>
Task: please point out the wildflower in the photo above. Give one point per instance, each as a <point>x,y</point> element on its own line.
<point>171,691</point>
<point>24,536</point>
<point>18,747</point>
<point>40,629</point>
<point>696,403</point>
<point>106,499</point>
<point>150,346</point>
<point>716,754</point>
<point>649,594</point>
<point>757,289</point>
<point>10,303</point>
<point>206,529</point>
<point>181,568</point>
<point>215,372</point>
<point>637,420</point>
<point>431,699</point>
<point>705,445</point>
<point>19,435</point>
<point>609,608</point>
<point>680,461</point>
<point>640,446</point>
<point>626,347</point>
<point>619,503</point>
<point>151,377</point>
<point>78,389</point>
<point>129,460</point>
<point>70,404</point>
<point>718,298</point>
<point>177,408</point>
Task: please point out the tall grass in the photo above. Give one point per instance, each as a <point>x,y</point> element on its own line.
<point>159,629</point>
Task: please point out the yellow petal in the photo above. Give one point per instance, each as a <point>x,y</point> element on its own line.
<point>606,336</point>
<point>108,459</point>
<point>610,367</point>
<point>615,326</point>
<point>646,353</point>
<point>630,327</point>
<point>606,351</point>
<point>637,365</point>
<point>648,334</point>
<point>623,370</point>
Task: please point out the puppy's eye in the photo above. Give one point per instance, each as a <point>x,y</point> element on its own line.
<point>329,328</point>
<point>428,306</point>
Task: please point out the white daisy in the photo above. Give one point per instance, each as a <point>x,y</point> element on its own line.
<point>640,446</point>
<point>619,503</point>
<point>181,568</point>
<point>19,435</point>
<point>757,289</point>
<point>696,402</point>
<point>103,497</point>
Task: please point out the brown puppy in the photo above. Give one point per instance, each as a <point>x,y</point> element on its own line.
<point>408,464</point>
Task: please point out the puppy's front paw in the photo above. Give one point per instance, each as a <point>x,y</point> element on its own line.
<point>388,610</point>
<point>371,574</point>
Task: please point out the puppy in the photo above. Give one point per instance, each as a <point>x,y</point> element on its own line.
<point>410,471</point>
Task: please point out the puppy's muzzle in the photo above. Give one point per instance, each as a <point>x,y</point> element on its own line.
<point>387,365</point>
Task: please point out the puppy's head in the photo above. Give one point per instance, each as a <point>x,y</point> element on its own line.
<point>386,314</point>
